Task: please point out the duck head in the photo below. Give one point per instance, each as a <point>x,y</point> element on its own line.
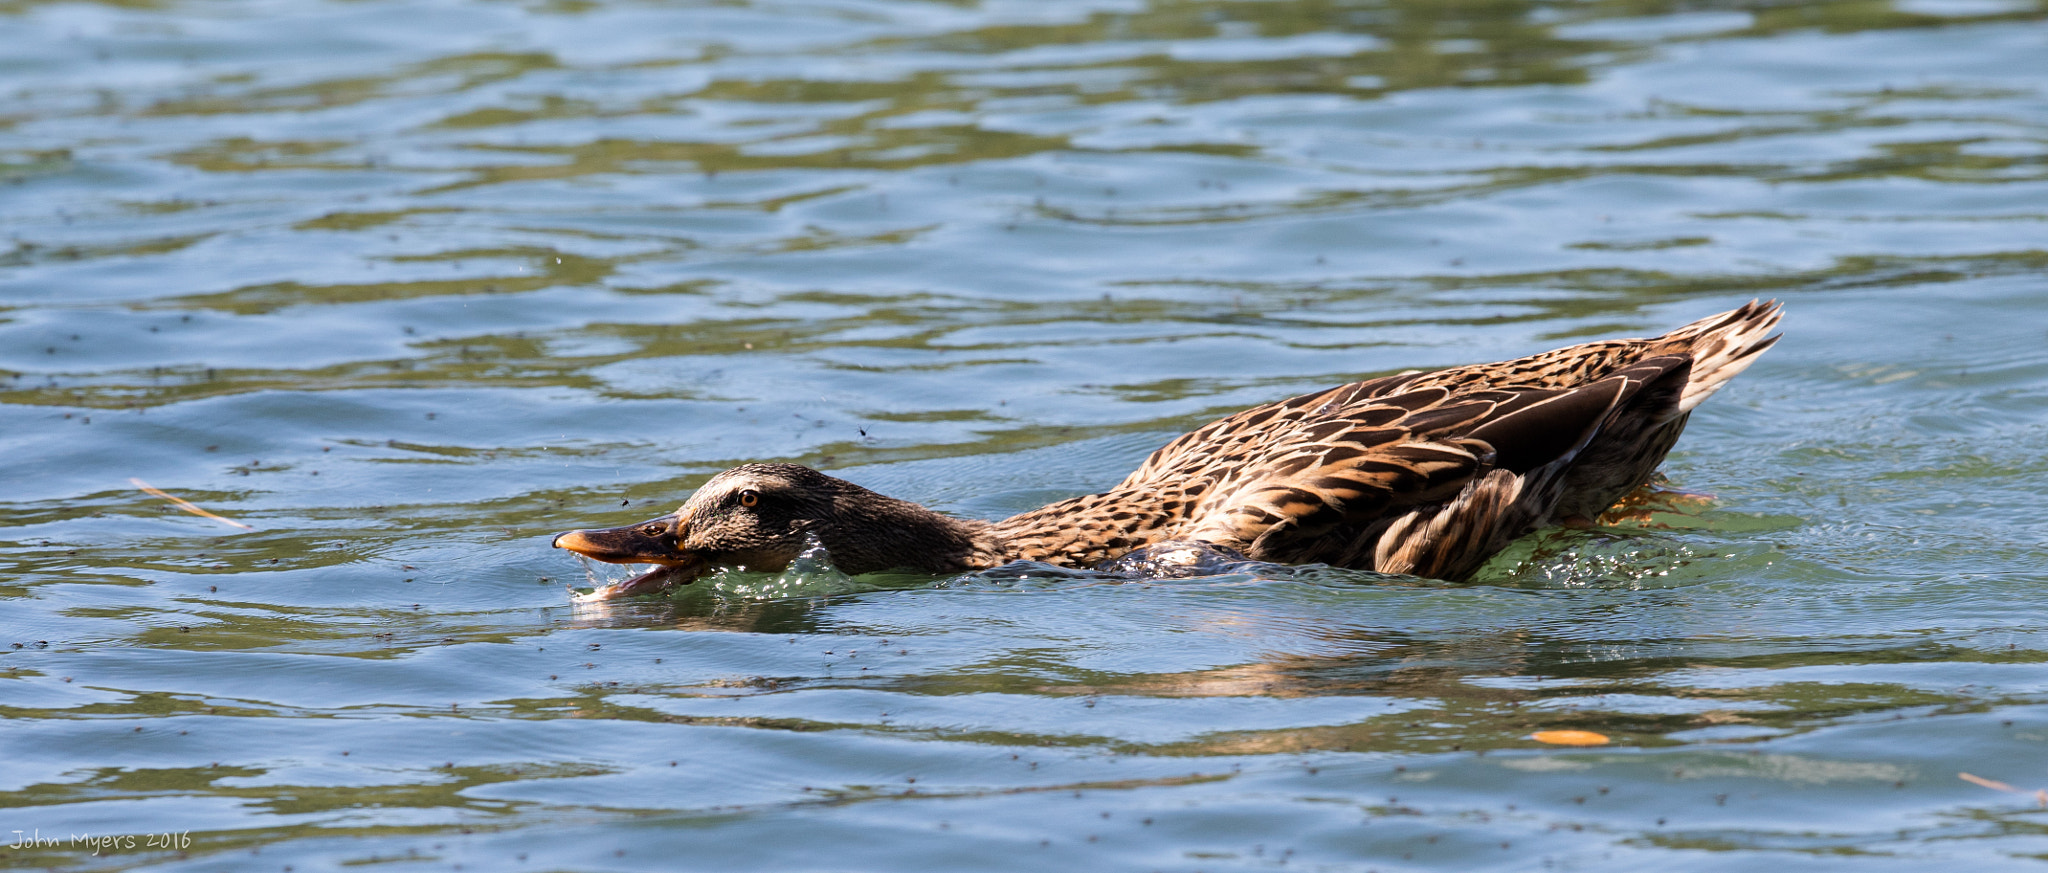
<point>762,516</point>
<point>755,516</point>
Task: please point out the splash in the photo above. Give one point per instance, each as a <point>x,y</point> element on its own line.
<point>811,574</point>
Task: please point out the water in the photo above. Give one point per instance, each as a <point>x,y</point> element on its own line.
<point>408,286</point>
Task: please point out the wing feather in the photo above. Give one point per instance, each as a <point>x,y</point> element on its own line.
<point>1420,472</point>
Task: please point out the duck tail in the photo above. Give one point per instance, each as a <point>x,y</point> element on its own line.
<point>1724,345</point>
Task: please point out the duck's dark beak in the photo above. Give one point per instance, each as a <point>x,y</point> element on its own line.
<point>656,541</point>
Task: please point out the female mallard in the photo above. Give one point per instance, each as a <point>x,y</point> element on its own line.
<point>1427,474</point>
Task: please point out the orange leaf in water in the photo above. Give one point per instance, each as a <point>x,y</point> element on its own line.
<point>1570,738</point>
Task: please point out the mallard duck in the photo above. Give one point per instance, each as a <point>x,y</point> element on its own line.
<point>1420,473</point>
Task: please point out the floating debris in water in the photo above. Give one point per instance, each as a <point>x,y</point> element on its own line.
<point>2040,795</point>
<point>187,505</point>
<point>1570,738</point>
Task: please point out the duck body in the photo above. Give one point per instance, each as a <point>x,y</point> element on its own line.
<point>1424,473</point>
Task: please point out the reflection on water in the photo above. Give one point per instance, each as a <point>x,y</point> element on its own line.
<point>406,287</point>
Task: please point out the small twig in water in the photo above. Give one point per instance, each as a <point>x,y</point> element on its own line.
<point>2040,796</point>
<point>187,505</point>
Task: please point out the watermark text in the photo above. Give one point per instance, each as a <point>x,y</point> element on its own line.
<point>108,843</point>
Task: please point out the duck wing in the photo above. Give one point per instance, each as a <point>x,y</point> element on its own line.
<point>1427,473</point>
<point>1405,479</point>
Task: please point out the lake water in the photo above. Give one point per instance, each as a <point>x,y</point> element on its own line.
<point>409,285</point>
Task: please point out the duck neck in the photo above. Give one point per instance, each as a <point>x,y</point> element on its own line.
<point>1087,530</point>
<point>876,532</point>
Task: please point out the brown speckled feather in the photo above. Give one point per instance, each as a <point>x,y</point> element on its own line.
<point>1424,473</point>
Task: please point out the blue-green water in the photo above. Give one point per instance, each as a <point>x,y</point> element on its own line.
<point>408,286</point>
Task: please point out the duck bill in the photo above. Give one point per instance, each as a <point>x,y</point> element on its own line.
<point>656,542</point>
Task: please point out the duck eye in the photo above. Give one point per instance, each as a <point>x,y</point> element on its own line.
<point>750,498</point>
<point>654,530</point>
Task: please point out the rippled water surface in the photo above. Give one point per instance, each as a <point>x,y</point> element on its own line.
<point>407,285</point>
